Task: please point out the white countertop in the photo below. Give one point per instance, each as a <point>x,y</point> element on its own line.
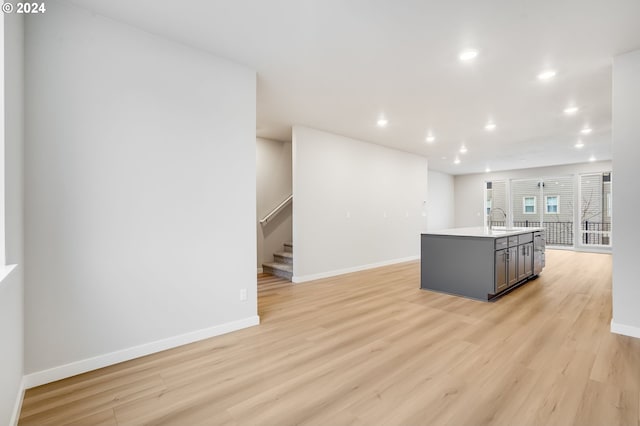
<point>483,231</point>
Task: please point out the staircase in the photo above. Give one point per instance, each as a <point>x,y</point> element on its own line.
<point>282,265</point>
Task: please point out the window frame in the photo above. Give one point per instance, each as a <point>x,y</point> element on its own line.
<point>524,204</point>
<point>546,204</point>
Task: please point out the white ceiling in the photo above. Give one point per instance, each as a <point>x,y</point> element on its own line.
<point>337,65</point>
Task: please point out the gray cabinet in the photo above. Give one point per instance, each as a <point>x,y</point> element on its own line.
<point>521,262</point>
<point>525,256</point>
<point>528,259</point>
<point>513,260</point>
<point>523,271</point>
<point>476,262</point>
<point>501,270</point>
<point>525,261</point>
<point>512,267</point>
<point>538,250</point>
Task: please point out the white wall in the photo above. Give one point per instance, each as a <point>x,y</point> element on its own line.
<point>140,193</point>
<point>440,201</point>
<point>12,353</point>
<point>626,205</point>
<point>11,288</point>
<point>2,132</point>
<point>356,204</point>
<point>469,189</point>
<point>273,185</point>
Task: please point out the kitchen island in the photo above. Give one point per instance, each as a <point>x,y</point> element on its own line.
<point>479,262</point>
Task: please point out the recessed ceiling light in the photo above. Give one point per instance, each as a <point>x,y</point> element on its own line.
<point>592,158</point>
<point>579,144</point>
<point>468,55</point>
<point>463,149</point>
<point>491,126</point>
<point>382,122</point>
<point>456,161</point>
<point>430,138</point>
<point>586,130</point>
<point>487,170</point>
<point>571,110</point>
<point>546,75</point>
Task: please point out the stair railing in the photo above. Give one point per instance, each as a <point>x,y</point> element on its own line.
<point>276,210</point>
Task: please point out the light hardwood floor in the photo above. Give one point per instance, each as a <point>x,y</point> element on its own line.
<point>371,348</point>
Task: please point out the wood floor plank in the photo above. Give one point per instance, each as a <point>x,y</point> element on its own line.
<point>604,404</point>
<point>373,348</point>
<point>87,404</point>
<point>554,400</point>
<point>102,418</point>
<point>618,362</point>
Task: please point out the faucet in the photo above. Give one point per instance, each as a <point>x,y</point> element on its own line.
<point>491,216</point>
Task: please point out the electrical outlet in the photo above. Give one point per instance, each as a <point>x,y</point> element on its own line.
<point>243,294</point>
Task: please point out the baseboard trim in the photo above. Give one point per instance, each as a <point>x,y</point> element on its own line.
<point>625,330</point>
<point>311,277</point>
<point>260,271</point>
<point>64,371</point>
<point>18,405</point>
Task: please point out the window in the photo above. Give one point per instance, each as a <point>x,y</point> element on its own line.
<point>495,197</point>
<point>551,203</point>
<point>595,209</point>
<point>529,205</point>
